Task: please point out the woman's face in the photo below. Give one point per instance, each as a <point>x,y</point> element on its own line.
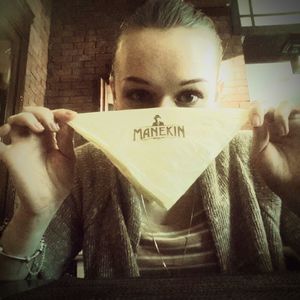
<point>165,68</point>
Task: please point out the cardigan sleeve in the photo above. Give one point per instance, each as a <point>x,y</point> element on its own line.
<point>281,223</point>
<point>64,235</point>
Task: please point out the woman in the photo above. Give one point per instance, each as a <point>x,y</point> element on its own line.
<point>229,221</point>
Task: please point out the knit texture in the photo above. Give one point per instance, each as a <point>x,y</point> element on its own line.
<point>102,216</point>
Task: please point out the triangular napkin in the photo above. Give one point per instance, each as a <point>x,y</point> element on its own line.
<point>161,151</point>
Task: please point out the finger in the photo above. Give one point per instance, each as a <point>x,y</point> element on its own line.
<point>295,114</point>
<point>64,115</point>
<point>65,140</point>
<point>26,119</point>
<point>256,114</point>
<point>281,118</point>
<point>44,115</point>
<point>2,149</point>
<point>261,134</point>
<point>261,137</point>
<point>49,141</point>
<point>4,130</point>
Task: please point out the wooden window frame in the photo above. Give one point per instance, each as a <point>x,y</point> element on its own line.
<point>15,21</point>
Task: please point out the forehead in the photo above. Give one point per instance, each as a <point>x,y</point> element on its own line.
<point>183,52</point>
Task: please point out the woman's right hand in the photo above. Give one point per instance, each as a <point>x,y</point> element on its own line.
<point>40,157</point>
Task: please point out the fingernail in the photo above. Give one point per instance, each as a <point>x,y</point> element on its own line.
<point>39,126</point>
<point>256,121</point>
<point>53,126</point>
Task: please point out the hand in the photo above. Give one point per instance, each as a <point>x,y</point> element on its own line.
<point>40,157</point>
<point>276,147</point>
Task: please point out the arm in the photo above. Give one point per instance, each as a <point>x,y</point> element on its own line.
<point>41,164</point>
<point>275,153</point>
<point>22,238</point>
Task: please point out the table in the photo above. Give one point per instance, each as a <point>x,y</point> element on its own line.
<point>284,286</point>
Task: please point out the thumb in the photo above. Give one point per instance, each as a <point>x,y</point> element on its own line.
<point>4,130</point>
<point>64,115</point>
<point>261,138</point>
<point>64,139</point>
<point>261,129</point>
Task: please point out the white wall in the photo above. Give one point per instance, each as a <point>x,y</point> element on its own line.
<point>273,83</point>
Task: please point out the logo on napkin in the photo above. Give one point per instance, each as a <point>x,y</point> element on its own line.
<point>158,130</point>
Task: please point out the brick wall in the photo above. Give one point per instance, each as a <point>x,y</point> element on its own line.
<point>37,60</point>
<point>233,70</point>
<point>80,52</point>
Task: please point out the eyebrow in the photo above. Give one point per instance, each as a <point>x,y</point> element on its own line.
<point>143,81</point>
<point>136,80</point>
<point>186,82</point>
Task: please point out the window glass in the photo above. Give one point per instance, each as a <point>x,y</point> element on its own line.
<point>274,6</point>
<point>244,8</point>
<point>277,20</point>
<point>246,22</point>
<point>5,67</point>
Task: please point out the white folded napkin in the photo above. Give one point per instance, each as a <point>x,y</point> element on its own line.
<point>162,151</point>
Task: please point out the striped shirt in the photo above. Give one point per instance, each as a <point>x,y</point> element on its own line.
<point>175,246</point>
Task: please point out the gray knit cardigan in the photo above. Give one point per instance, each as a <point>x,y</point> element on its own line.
<point>102,216</point>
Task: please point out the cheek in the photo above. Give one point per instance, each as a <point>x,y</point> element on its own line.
<point>121,105</point>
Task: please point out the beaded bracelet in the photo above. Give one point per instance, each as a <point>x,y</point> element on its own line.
<point>26,259</point>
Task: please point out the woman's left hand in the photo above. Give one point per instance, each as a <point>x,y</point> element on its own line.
<point>276,148</point>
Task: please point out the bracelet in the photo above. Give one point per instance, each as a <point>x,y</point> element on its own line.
<point>3,226</point>
<point>26,259</point>
<point>34,268</point>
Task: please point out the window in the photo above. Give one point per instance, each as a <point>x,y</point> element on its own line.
<point>254,16</point>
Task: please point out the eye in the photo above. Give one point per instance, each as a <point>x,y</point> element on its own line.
<point>139,96</point>
<point>190,97</point>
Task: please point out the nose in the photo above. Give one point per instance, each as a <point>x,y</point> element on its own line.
<point>167,102</point>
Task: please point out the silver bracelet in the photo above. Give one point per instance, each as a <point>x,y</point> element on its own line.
<point>25,259</point>
<point>3,225</point>
<point>33,269</point>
